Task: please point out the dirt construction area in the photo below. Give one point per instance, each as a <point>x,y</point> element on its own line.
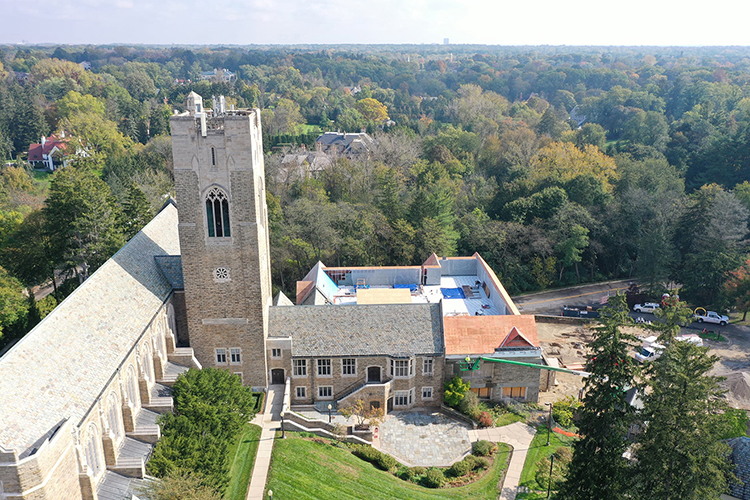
<point>568,343</point>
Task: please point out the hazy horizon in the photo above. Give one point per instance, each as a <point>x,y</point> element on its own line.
<point>388,22</point>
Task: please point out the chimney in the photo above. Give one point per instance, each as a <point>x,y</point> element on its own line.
<point>44,141</point>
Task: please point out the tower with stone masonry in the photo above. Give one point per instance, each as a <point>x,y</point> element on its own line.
<point>223,226</point>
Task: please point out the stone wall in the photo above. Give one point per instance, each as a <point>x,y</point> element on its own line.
<point>229,311</point>
<point>342,384</point>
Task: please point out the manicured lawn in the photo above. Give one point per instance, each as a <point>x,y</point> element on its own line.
<point>305,470</point>
<point>242,465</point>
<point>539,450</point>
<point>509,418</point>
<point>42,178</point>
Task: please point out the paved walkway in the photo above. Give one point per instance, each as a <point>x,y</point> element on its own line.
<point>270,420</point>
<point>519,436</point>
<point>423,438</point>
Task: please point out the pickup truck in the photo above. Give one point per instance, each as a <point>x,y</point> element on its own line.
<point>651,349</point>
<point>648,307</point>
<point>711,317</point>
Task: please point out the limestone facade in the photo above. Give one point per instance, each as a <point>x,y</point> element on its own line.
<point>226,264</point>
<point>70,462</point>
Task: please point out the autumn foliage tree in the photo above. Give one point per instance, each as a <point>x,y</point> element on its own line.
<point>737,288</point>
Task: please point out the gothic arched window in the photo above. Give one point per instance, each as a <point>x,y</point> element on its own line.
<point>217,214</point>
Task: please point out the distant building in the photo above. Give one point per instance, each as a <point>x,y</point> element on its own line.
<point>305,164</point>
<point>349,145</point>
<point>49,154</point>
<point>218,75</point>
<point>446,41</point>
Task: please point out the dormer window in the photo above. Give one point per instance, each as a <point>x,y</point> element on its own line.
<point>217,214</point>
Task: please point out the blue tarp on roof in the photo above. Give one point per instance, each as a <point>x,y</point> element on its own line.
<point>453,293</point>
<point>413,288</point>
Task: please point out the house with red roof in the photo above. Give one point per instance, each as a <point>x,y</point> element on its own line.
<point>49,154</point>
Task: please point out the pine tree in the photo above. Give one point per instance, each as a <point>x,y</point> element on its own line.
<point>136,211</point>
<point>598,471</point>
<point>680,454</point>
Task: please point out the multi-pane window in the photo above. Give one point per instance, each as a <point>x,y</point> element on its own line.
<point>514,392</point>
<point>241,375</point>
<point>324,367</point>
<point>427,366</point>
<point>301,392</point>
<point>427,393</point>
<point>299,367</point>
<point>402,368</point>
<point>403,398</point>
<point>325,392</point>
<point>221,356</point>
<point>275,353</point>
<point>348,367</point>
<point>234,356</point>
<point>217,214</point>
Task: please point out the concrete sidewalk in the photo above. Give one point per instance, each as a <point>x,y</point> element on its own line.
<point>270,421</point>
<point>519,436</point>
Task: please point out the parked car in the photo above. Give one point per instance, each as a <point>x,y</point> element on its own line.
<point>651,349</point>
<point>711,317</point>
<point>648,307</point>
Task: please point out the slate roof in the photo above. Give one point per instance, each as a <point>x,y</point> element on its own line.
<point>741,460</point>
<point>361,330</point>
<point>59,369</point>
<point>171,267</point>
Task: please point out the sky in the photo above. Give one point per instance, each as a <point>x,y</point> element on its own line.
<point>501,22</point>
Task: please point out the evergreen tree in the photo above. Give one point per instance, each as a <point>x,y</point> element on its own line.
<point>83,220</point>
<point>598,471</point>
<point>136,211</point>
<point>680,454</point>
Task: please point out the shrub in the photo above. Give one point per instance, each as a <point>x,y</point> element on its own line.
<point>563,411</point>
<point>564,454</point>
<point>405,473</point>
<point>434,478</point>
<point>375,457</point>
<point>461,468</point>
<point>485,419</point>
<point>481,463</point>
<point>418,471</point>
<point>386,462</point>
<point>454,391</point>
<point>469,405</point>
<point>483,448</point>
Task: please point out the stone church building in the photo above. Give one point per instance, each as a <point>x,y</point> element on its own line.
<point>80,394</point>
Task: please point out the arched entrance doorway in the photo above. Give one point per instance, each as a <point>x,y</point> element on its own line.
<point>277,376</point>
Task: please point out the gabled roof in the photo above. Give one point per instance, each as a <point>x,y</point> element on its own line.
<point>362,330</point>
<point>59,368</point>
<point>485,334</point>
<point>37,151</point>
<point>282,300</point>
<point>516,339</point>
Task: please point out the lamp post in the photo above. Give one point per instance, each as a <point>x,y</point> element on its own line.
<point>549,483</point>
<point>329,412</point>
<point>549,421</point>
<point>270,494</point>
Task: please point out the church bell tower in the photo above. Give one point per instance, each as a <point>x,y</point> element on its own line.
<point>223,226</point>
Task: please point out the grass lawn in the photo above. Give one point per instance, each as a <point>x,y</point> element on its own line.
<point>242,464</point>
<point>306,470</point>
<point>42,178</point>
<point>509,418</point>
<point>309,129</point>
<point>539,450</point>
